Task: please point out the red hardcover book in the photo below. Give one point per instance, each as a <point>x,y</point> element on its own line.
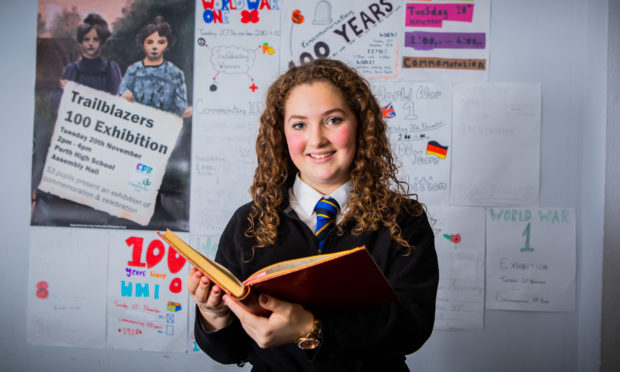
<point>347,279</point>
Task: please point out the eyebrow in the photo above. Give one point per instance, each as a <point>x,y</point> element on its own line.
<point>328,112</point>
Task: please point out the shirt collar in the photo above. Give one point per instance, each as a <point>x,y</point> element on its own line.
<point>307,197</point>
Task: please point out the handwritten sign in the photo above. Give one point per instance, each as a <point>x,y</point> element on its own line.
<point>496,143</point>
<point>419,125</point>
<point>237,46</point>
<point>531,259</point>
<point>222,173</point>
<point>433,15</point>
<point>364,34</point>
<point>459,241</point>
<point>66,293</point>
<point>420,40</point>
<point>147,300</point>
<point>446,41</point>
<point>109,153</point>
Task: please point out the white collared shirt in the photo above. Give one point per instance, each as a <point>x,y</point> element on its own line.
<point>303,199</point>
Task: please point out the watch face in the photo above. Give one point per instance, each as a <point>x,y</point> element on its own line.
<point>308,343</point>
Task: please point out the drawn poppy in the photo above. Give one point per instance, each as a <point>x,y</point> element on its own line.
<point>297,17</point>
<point>249,16</point>
<point>42,290</point>
<point>455,238</point>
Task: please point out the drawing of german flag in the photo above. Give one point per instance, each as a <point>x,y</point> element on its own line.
<point>434,148</point>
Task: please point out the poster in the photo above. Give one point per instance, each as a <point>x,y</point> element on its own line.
<point>419,118</point>
<point>496,144</point>
<point>446,40</point>
<point>237,57</point>
<point>108,153</point>
<point>531,259</point>
<point>364,34</point>
<point>459,241</point>
<point>66,280</point>
<point>111,47</point>
<point>147,300</point>
<point>237,47</point>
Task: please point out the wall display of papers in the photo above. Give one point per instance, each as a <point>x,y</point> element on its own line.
<point>454,135</point>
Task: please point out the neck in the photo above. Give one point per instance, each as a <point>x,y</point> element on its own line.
<point>153,62</point>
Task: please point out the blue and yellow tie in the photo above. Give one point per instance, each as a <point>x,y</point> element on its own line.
<point>326,210</point>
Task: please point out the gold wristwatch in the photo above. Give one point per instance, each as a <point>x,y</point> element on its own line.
<point>312,339</point>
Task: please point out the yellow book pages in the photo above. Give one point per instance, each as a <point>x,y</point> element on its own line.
<point>284,267</point>
<point>218,273</point>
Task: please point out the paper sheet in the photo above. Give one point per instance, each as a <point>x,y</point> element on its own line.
<point>459,241</point>
<point>496,144</point>
<point>365,34</point>
<point>420,132</point>
<point>446,40</point>
<point>147,298</point>
<point>531,259</point>
<point>66,287</point>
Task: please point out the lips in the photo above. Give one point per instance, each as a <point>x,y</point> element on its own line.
<point>322,156</point>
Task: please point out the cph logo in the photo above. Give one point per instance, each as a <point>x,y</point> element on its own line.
<point>144,169</point>
<point>141,178</point>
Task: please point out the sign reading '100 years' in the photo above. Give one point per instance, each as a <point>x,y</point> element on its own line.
<point>108,153</point>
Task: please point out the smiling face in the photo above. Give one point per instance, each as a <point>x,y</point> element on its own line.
<point>320,130</point>
<point>91,44</point>
<point>154,47</point>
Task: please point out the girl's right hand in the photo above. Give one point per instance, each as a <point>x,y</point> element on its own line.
<point>208,296</point>
<point>127,95</point>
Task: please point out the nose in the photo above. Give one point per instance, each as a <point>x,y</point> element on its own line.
<point>316,135</point>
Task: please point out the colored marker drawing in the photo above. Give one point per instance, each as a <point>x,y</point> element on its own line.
<point>454,238</point>
<point>234,60</point>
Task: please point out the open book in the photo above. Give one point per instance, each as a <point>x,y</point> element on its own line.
<point>347,279</point>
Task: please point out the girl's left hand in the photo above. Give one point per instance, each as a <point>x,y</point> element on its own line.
<point>286,323</point>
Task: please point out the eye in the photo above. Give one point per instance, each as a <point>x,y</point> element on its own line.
<point>298,126</point>
<point>334,120</point>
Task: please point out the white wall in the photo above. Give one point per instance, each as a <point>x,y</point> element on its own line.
<point>559,43</point>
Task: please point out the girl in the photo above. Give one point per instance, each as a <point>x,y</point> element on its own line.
<point>91,70</point>
<point>154,81</point>
<point>322,134</point>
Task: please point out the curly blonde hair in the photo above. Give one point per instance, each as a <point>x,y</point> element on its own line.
<point>377,198</point>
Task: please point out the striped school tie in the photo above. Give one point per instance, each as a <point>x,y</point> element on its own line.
<point>326,210</point>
